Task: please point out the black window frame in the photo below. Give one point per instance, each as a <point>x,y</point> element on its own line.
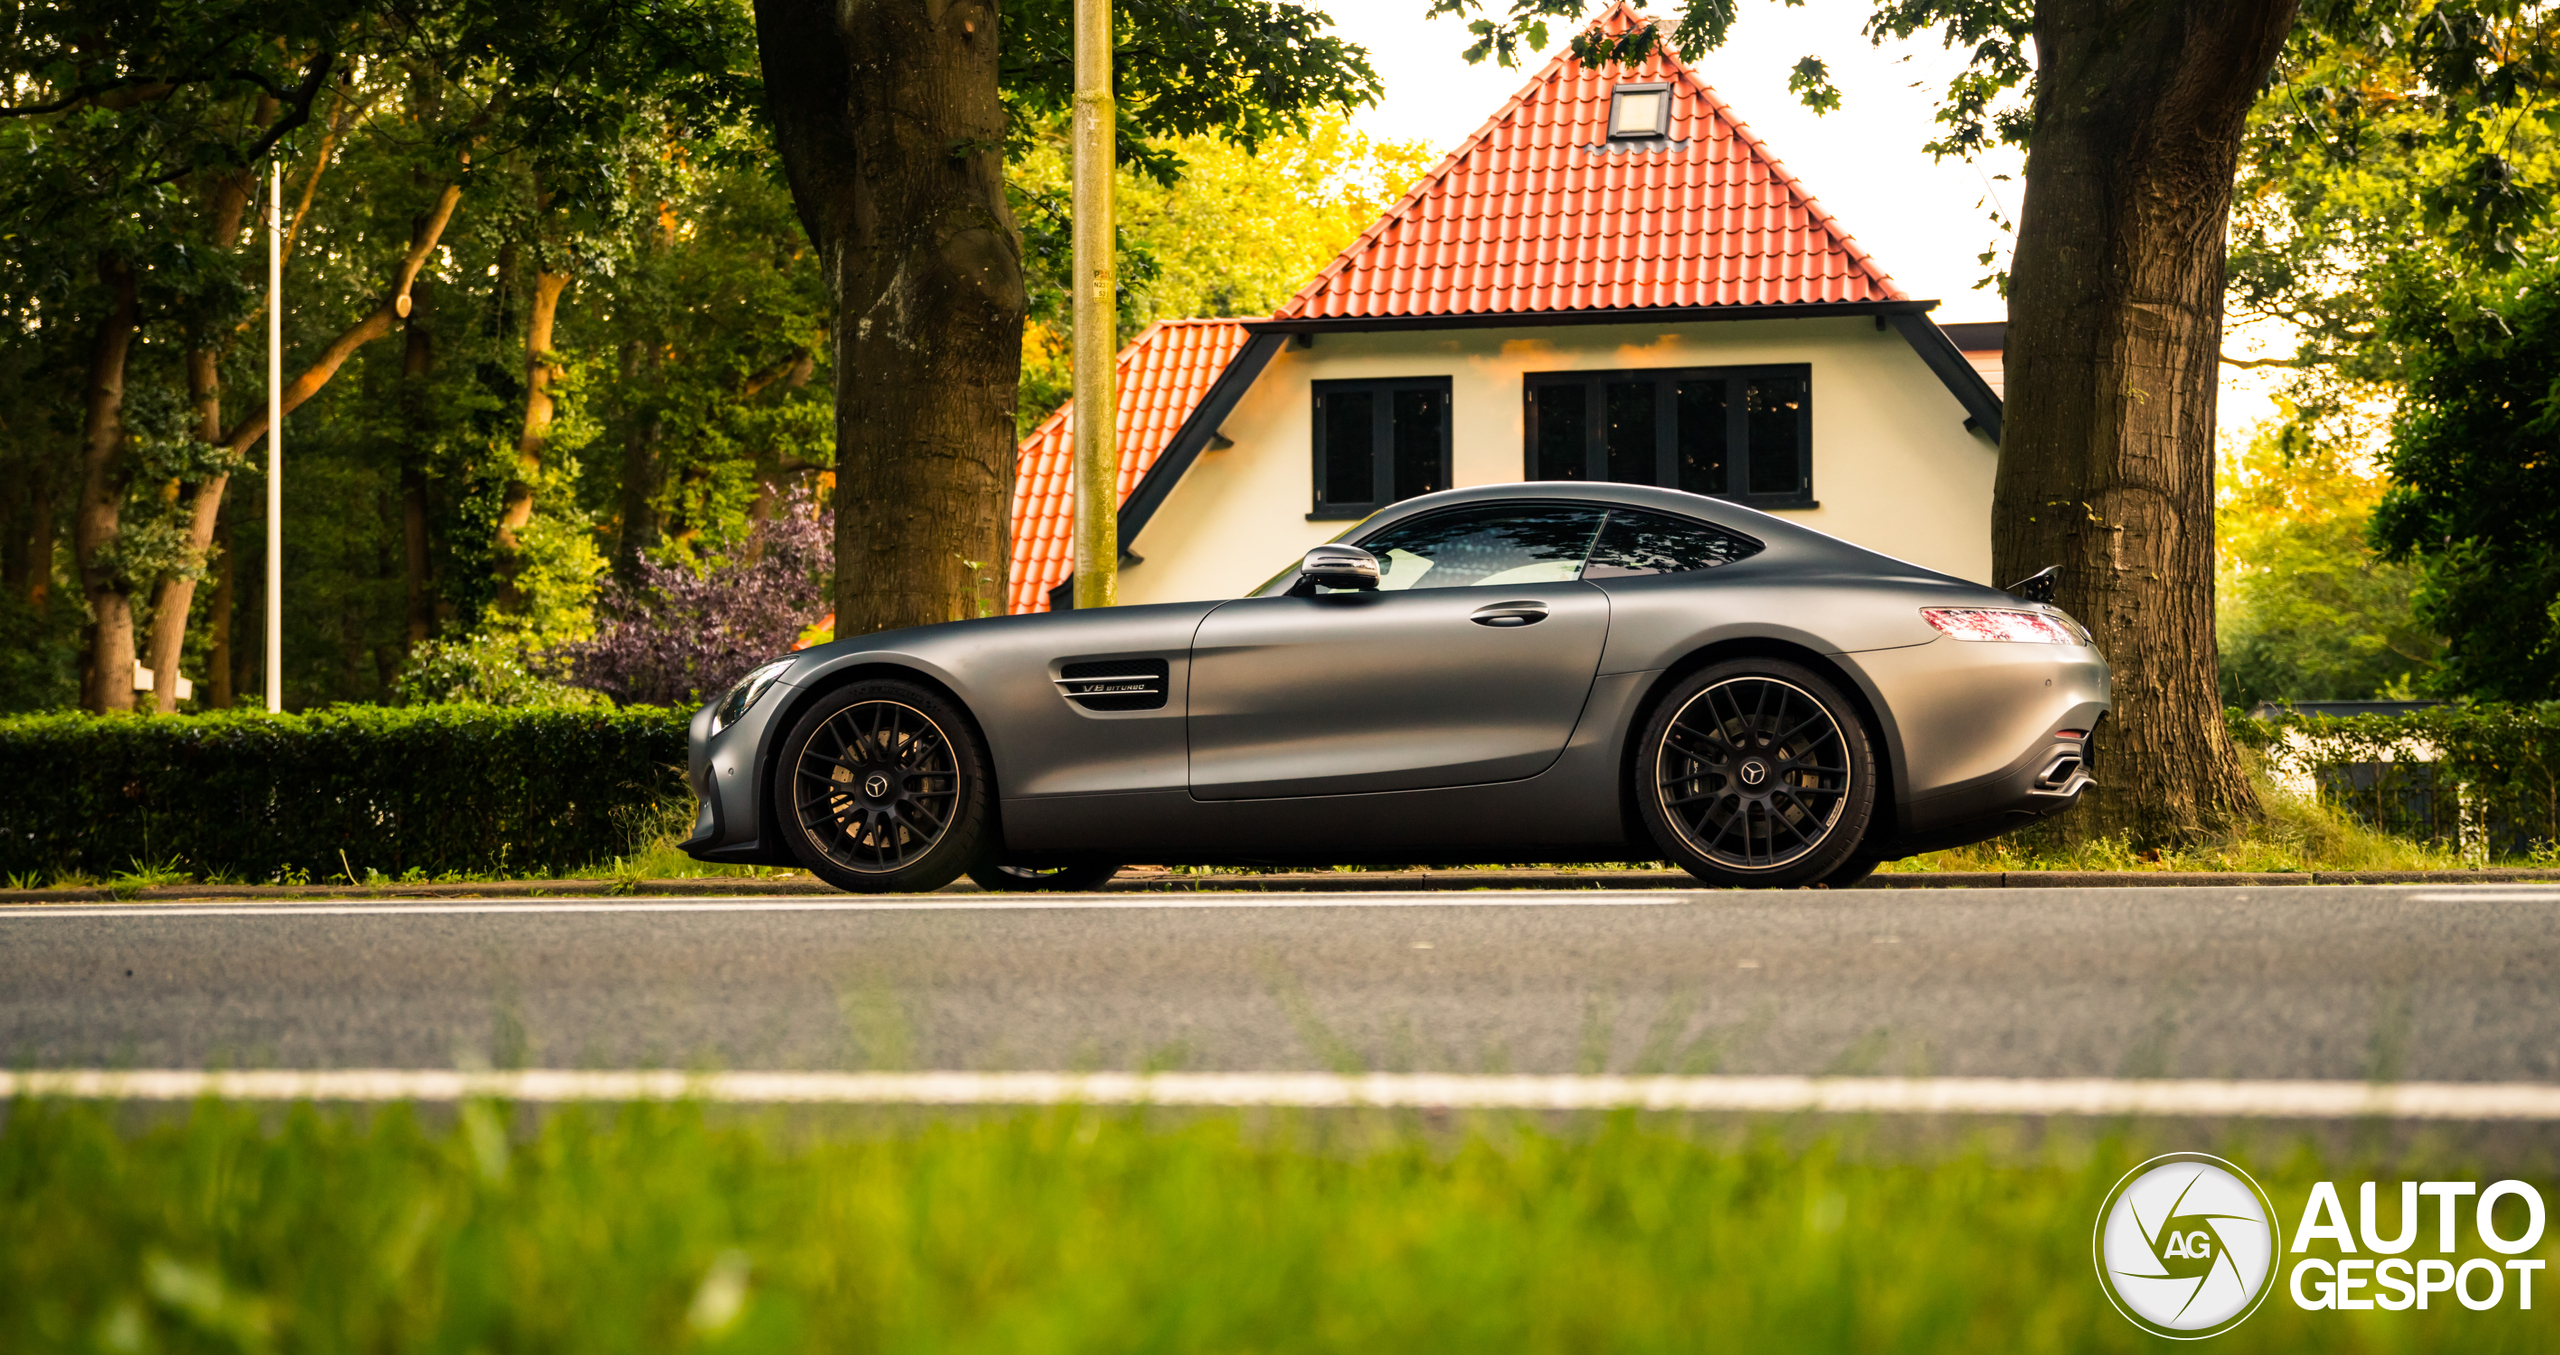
<point>1382,442</point>
<point>1667,380</point>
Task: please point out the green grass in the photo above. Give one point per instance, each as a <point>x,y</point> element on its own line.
<point>656,1229</point>
<point>2295,834</point>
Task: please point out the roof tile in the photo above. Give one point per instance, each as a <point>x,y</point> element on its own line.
<point>1158,379</point>
<point>1535,213</point>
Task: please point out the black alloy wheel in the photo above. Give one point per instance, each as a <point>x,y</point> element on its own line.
<point>882,788</point>
<point>1004,879</point>
<point>1757,772</point>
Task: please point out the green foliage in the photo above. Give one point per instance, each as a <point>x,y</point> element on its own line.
<point>2393,134</point>
<point>2306,610</point>
<point>663,1229</point>
<point>2475,457</point>
<point>2295,831</point>
<point>2505,757</point>
<point>1237,235</point>
<point>485,670</point>
<point>428,789</point>
<point>1244,71</point>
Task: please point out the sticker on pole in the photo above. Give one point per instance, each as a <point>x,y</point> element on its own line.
<point>2185,1246</point>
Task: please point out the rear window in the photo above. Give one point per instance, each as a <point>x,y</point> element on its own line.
<point>1636,543</point>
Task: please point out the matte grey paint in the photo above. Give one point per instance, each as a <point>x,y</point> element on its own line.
<point>1396,727</point>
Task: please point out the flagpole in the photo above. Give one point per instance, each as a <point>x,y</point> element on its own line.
<point>275,436</point>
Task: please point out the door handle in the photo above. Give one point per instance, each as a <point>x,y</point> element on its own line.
<point>1509,615</point>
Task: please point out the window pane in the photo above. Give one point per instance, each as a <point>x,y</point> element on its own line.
<point>1771,408</point>
<point>1630,432</point>
<point>1480,547</point>
<point>1650,543</point>
<point>1560,423</point>
<point>1637,113</point>
<point>1701,436</point>
<point>1349,437</point>
<point>1419,418</point>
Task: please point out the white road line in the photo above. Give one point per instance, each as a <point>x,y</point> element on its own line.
<point>1837,1095</point>
<point>957,903</point>
<point>2481,892</point>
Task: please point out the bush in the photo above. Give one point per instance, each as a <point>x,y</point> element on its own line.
<point>2492,777</point>
<point>671,635</point>
<point>485,670</point>
<point>404,791</point>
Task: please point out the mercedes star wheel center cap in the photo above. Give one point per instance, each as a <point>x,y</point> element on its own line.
<point>876,786</point>
<point>1754,772</point>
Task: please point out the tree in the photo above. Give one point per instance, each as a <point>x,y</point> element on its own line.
<point>2305,610</point>
<point>2475,454</point>
<point>893,120</point>
<point>1236,234</point>
<point>2133,116</point>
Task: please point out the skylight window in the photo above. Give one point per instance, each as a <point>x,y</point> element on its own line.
<point>1639,112</point>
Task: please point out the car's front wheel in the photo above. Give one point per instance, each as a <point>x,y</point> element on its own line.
<point>1756,773</point>
<point>881,788</point>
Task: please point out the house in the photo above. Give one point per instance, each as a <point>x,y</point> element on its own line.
<point>1612,278</point>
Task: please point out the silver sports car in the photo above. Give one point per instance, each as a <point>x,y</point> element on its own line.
<point>1546,672</point>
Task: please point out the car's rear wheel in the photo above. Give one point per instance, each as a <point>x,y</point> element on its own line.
<point>1004,879</point>
<point>1756,773</point>
<point>881,788</point>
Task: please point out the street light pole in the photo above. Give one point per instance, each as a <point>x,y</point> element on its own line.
<point>275,436</point>
<point>1096,301</point>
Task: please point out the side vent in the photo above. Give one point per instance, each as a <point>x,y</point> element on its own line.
<point>1114,684</point>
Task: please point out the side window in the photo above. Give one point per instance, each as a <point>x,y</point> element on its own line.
<point>1743,433</point>
<point>1637,543</point>
<point>1377,442</point>
<point>1507,545</point>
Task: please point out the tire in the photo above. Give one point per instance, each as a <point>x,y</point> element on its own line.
<point>1857,868</point>
<point>882,788</point>
<point>1003,879</point>
<point>1756,773</point>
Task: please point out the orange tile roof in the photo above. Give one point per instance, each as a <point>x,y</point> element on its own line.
<point>1537,213</point>
<point>1159,378</point>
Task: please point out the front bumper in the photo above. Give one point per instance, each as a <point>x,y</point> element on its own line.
<point>725,772</point>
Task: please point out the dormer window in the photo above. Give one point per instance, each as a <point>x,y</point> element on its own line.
<point>1640,112</point>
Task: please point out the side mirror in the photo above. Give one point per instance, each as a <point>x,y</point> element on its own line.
<point>1335,567</point>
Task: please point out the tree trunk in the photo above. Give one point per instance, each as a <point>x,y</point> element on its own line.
<point>176,596</point>
<point>107,680</point>
<point>40,539</point>
<point>172,597</point>
<point>220,677</point>
<point>2115,321</point>
<point>891,133</point>
<point>639,464</point>
<point>540,366</point>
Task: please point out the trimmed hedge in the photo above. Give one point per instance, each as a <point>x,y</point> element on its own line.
<point>420,791</point>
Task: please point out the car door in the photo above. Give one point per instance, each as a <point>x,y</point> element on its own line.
<point>1469,664</point>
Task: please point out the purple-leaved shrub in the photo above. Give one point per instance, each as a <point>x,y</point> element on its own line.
<point>669,635</point>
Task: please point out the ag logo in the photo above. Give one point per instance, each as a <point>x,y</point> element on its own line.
<point>2185,1246</point>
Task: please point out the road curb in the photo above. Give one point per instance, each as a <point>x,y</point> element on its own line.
<point>1143,881</point>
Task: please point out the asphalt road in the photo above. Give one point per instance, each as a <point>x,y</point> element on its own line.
<point>2428,983</point>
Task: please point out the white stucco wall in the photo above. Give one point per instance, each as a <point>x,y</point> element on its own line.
<point>1893,467</point>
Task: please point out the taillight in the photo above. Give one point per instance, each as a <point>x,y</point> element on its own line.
<point>1992,623</point>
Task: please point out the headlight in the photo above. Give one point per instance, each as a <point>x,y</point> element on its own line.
<point>743,697</point>
<point>1992,623</point>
